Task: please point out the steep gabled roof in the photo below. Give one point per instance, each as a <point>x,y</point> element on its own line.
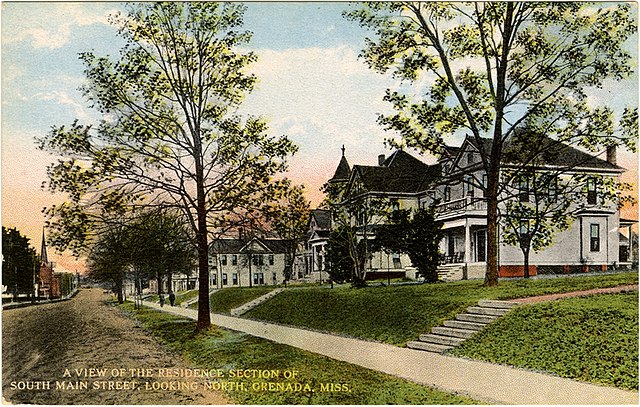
<point>322,218</point>
<point>237,246</point>
<point>401,173</point>
<point>552,153</point>
<point>343,171</point>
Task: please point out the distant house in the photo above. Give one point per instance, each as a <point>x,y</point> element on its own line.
<point>311,264</point>
<point>247,262</point>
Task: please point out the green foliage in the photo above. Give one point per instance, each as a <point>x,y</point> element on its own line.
<point>170,135</point>
<point>592,339</point>
<point>288,216</point>
<point>494,66</point>
<point>398,314</point>
<point>19,262</point>
<point>419,236</point>
<point>221,349</point>
<point>341,250</point>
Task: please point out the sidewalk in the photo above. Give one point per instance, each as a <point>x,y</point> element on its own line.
<point>480,380</point>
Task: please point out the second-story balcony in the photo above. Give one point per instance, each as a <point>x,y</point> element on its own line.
<point>463,206</point>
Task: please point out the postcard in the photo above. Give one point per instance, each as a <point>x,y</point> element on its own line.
<point>319,203</point>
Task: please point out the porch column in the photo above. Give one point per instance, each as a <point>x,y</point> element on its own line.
<point>467,242</point>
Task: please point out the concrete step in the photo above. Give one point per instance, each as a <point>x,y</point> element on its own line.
<point>487,311</point>
<point>455,332</point>
<point>441,340</point>
<point>477,318</point>
<point>429,347</point>
<point>497,304</point>
<point>473,326</point>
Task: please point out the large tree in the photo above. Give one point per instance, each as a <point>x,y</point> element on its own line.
<point>288,217</point>
<point>493,66</point>
<point>169,135</point>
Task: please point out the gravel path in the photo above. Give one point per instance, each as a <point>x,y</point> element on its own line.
<point>552,297</point>
<point>40,342</point>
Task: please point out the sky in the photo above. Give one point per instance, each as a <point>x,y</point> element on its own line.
<point>312,87</point>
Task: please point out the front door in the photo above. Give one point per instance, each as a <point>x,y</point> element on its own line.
<point>481,245</point>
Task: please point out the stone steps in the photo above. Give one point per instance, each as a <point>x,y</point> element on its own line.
<point>254,303</point>
<point>453,332</point>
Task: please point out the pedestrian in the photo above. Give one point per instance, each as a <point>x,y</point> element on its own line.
<point>172,298</point>
<point>161,300</point>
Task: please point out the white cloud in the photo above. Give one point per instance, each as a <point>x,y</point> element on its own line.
<point>63,98</point>
<point>48,25</point>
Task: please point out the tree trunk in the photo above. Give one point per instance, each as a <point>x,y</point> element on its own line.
<point>525,253</point>
<point>119,292</point>
<point>159,280</point>
<point>169,280</point>
<point>491,276</point>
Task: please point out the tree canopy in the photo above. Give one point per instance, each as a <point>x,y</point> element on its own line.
<point>19,262</point>
<point>169,136</point>
<point>493,66</point>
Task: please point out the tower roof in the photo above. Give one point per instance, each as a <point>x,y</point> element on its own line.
<point>343,171</point>
<point>43,250</point>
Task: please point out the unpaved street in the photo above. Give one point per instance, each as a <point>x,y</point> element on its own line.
<point>40,342</point>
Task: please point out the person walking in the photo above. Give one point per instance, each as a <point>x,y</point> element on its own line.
<point>161,300</point>
<point>172,298</point>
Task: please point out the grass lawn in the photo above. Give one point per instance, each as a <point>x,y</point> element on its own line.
<point>183,296</point>
<point>229,350</point>
<point>222,301</point>
<point>593,339</point>
<point>398,314</point>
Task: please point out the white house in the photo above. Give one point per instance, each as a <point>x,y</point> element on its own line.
<point>596,241</point>
<point>247,262</point>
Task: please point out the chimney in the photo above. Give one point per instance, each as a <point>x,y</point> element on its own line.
<point>611,155</point>
<point>381,160</point>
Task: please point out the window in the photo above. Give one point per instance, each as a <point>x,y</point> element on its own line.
<point>234,260</point>
<point>255,259</point>
<point>223,259</point>
<point>592,193</point>
<point>595,237</point>
<point>258,278</point>
<point>234,278</point>
<point>523,189</point>
<point>470,158</point>
<point>271,260</point>
<point>214,280</point>
<point>469,185</point>
<point>395,206</point>
<point>224,279</point>
<point>447,194</point>
<point>274,278</point>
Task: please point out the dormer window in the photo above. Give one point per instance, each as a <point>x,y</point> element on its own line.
<point>470,158</point>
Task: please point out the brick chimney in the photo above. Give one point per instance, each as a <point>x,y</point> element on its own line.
<point>381,158</point>
<point>611,155</point>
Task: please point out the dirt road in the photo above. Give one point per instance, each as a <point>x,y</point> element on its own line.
<point>49,351</point>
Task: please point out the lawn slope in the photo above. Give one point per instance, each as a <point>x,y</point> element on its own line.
<point>592,339</point>
<point>398,314</point>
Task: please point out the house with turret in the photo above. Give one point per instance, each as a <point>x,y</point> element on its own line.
<point>596,239</point>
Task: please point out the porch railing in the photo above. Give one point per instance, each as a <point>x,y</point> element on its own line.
<point>468,203</point>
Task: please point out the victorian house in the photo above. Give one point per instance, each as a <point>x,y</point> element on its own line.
<point>596,240</point>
